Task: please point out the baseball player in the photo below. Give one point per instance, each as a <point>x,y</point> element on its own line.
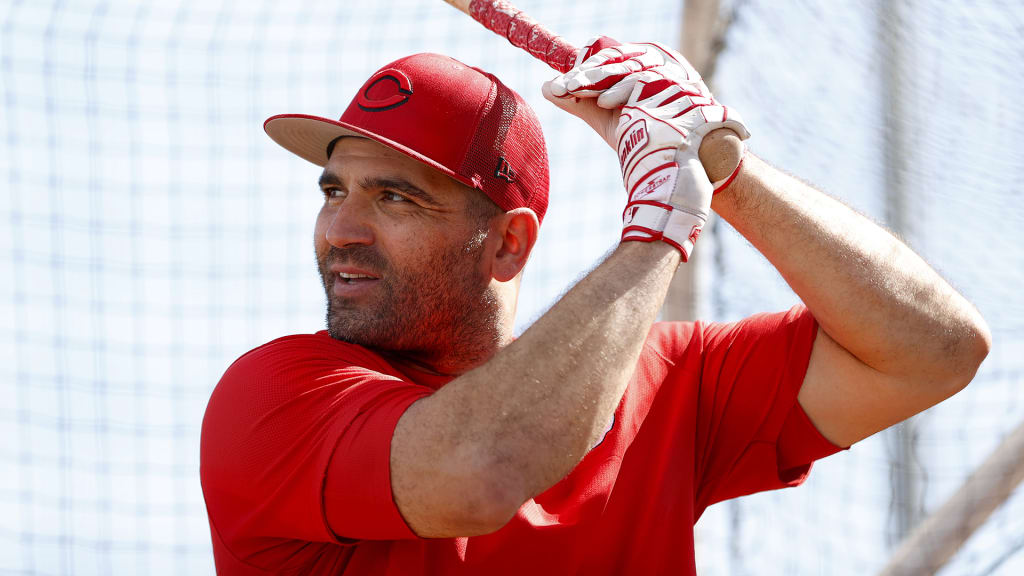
<point>415,435</point>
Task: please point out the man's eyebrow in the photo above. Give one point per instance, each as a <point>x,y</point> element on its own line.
<point>329,179</point>
<point>403,186</point>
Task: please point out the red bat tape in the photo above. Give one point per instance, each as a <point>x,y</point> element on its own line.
<point>524,32</point>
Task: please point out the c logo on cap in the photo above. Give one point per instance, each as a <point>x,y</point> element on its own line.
<point>402,84</point>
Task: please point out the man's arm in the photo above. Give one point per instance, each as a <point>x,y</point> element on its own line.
<point>894,337</point>
<point>464,459</point>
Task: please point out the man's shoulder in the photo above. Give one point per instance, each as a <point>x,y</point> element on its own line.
<point>309,351</point>
<point>292,366</point>
<point>316,342</point>
<point>291,376</point>
<point>271,427</point>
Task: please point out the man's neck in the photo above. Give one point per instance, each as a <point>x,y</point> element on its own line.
<point>448,363</point>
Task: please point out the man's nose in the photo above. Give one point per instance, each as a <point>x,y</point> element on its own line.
<point>351,223</point>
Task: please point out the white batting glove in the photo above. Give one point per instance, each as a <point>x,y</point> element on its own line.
<point>666,111</point>
<point>593,46</point>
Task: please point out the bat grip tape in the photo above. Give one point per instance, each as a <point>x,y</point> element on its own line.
<point>524,32</point>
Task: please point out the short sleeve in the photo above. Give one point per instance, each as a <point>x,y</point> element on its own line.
<point>296,447</point>
<point>752,435</point>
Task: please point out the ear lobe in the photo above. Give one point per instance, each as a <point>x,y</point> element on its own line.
<point>518,232</point>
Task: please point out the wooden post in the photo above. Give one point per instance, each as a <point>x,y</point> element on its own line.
<point>700,42</point>
<point>938,537</point>
<point>701,34</point>
<point>905,470</point>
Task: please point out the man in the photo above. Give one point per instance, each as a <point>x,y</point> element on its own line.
<point>416,436</point>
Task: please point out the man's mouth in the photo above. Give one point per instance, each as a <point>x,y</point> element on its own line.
<point>351,282</point>
<point>353,278</point>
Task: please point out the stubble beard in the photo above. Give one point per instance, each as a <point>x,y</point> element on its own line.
<point>443,314</point>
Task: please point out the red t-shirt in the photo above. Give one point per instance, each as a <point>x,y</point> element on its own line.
<point>296,445</point>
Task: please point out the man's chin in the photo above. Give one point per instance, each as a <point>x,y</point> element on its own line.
<point>347,334</point>
<point>340,335</point>
<point>365,334</point>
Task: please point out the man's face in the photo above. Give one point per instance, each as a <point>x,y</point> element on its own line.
<point>401,258</point>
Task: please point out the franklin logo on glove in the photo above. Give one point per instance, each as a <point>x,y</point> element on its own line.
<point>634,139</point>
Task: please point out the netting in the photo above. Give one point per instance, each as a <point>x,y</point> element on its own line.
<point>834,92</point>
<point>153,234</point>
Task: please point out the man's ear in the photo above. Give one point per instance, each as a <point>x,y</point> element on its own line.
<point>517,230</point>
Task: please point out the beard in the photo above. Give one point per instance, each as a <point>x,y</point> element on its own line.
<point>442,312</point>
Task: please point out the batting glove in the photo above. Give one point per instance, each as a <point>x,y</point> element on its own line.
<point>666,111</point>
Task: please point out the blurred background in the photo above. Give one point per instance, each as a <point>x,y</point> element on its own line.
<point>152,234</point>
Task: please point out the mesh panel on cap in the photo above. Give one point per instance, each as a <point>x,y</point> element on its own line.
<point>508,131</point>
<point>529,141</point>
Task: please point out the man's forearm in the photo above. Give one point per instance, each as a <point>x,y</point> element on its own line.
<point>519,423</point>
<point>868,291</point>
<point>571,367</point>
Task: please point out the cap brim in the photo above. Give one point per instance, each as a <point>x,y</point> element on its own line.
<point>308,136</point>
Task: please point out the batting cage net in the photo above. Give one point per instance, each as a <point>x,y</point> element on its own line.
<point>153,233</point>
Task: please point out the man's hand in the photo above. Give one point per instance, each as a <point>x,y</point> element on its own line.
<point>666,110</point>
<point>669,194</point>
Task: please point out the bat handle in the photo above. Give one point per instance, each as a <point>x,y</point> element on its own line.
<point>524,32</point>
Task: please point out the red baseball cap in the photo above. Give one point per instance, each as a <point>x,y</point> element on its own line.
<point>450,116</point>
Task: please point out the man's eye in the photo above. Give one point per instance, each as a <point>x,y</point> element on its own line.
<point>393,196</point>
<point>330,193</point>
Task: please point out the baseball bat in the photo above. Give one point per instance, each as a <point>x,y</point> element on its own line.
<point>506,20</point>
